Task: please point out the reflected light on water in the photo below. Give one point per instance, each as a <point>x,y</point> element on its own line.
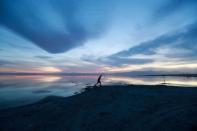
<point>49,79</point>
<point>25,79</point>
<point>183,83</point>
<point>130,80</point>
<point>20,90</point>
<point>180,81</point>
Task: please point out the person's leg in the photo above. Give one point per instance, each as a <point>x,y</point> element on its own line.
<point>99,84</point>
<point>96,83</point>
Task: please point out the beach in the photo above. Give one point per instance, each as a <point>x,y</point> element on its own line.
<point>109,108</point>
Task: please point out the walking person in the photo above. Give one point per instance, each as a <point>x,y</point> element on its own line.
<point>98,81</point>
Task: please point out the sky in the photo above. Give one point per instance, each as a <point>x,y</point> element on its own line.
<point>93,36</point>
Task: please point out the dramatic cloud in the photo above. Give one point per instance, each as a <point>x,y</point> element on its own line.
<point>185,38</point>
<point>181,44</point>
<point>55,26</point>
<point>118,61</point>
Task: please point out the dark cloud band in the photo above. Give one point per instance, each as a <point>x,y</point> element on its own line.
<point>55,26</point>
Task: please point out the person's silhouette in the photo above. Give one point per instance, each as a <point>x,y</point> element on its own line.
<point>98,81</point>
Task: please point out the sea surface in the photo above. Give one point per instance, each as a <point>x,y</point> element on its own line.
<point>22,90</point>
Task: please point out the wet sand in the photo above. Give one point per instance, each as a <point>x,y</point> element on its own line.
<point>109,108</point>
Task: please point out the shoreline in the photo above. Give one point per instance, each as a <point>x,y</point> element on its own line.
<point>113,107</point>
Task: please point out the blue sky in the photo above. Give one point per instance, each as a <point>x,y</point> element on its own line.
<point>98,36</point>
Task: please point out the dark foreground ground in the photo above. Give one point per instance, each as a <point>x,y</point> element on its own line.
<point>110,108</point>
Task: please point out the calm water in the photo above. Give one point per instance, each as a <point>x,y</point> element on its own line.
<point>21,90</point>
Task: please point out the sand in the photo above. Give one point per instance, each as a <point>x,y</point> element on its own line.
<point>109,108</point>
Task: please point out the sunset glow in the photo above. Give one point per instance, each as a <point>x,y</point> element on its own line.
<point>49,69</point>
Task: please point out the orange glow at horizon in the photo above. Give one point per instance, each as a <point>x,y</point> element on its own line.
<point>50,69</point>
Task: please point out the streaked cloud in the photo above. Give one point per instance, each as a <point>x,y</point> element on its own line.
<point>183,41</point>
<point>43,57</point>
<point>177,48</point>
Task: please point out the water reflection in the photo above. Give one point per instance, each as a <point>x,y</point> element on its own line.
<point>21,90</point>
<point>49,79</point>
<point>154,80</point>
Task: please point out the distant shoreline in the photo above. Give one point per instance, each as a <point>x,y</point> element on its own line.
<point>92,74</point>
<point>178,75</point>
